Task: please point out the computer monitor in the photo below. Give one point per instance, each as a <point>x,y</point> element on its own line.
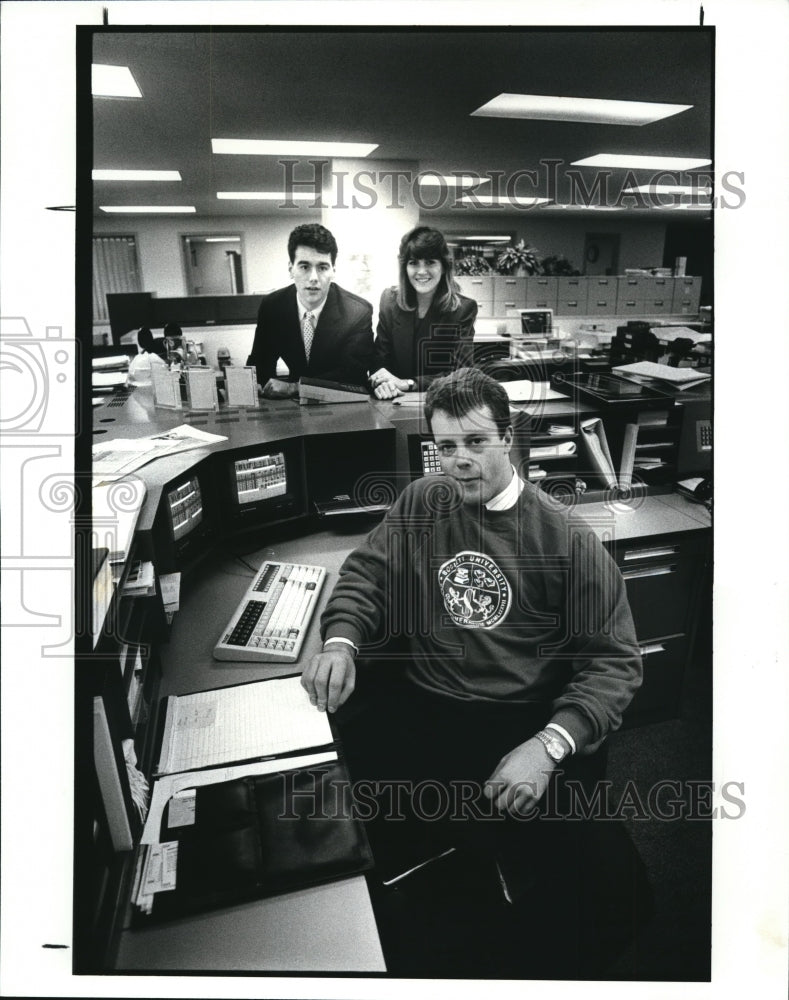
<point>185,525</point>
<point>536,322</point>
<point>261,485</point>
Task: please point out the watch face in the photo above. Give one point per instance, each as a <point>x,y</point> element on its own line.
<point>556,751</point>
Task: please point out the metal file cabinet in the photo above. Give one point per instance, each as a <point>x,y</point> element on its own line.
<point>663,576</point>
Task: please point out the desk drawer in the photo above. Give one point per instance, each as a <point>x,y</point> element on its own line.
<point>660,577</point>
<point>664,669</point>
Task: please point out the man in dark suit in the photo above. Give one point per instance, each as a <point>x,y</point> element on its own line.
<point>316,327</point>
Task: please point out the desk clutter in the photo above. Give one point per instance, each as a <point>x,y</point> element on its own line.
<point>249,800</point>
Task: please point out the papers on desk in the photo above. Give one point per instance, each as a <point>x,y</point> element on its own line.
<point>101,381</point>
<point>245,722</point>
<point>677,378</point>
<point>562,450</point>
<point>525,391</point>
<point>117,458</point>
<point>117,362</point>
<point>668,334</point>
<point>116,509</point>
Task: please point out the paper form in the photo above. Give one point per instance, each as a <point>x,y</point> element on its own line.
<point>240,723</point>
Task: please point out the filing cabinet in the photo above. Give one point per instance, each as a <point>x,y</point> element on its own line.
<point>572,296</point>
<point>541,292</point>
<point>687,294</point>
<point>508,293</point>
<point>480,288</point>
<point>601,295</point>
<point>663,577</point>
<point>658,296</point>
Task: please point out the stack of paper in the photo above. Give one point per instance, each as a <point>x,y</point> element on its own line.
<point>678,378</point>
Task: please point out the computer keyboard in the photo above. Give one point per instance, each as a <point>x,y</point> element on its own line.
<point>274,614</point>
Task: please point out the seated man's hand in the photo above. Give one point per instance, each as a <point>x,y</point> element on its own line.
<point>520,778</point>
<point>382,375</point>
<point>275,388</point>
<point>330,677</point>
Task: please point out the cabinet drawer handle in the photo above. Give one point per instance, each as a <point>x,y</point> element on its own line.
<point>510,281</point>
<point>602,303</point>
<point>655,553</point>
<point>652,647</point>
<point>509,305</point>
<point>637,574</point>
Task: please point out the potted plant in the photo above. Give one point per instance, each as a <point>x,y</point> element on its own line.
<point>518,259</point>
<point>558,265</point>
<point>472,264</point>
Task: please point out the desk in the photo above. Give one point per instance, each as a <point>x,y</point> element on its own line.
<point>319,929</point>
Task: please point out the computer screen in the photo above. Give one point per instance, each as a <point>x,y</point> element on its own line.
<point>536,321</point>
<point>185,504</point>
<point>260,477</point>
<point>261,485</point>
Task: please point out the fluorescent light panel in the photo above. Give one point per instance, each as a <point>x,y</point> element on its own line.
<point>626,161</point>
<point>148,209</point>
<point>488,239</point>
<point>489,199</point>
<point>461,181</point>
<point>290,147</point>
<point>267,195</point>
<point>136,175</point>
<point>577,109</point>
<point>680,189</point>
<point>217,239</point>
<point>113,81</point>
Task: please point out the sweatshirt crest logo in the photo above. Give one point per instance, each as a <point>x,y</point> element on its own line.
<point>476,593</point>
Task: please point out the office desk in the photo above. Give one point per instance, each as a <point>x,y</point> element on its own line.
<point>323,928</point>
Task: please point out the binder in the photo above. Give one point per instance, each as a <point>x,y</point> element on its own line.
<point>258,836</point>
<point>597,451</point>
<point>281,821</point>
<point>628,455</point>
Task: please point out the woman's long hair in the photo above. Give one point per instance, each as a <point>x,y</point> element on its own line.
<point>424,243</point>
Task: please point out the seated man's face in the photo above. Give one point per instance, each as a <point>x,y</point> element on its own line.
<point>312,274</point>
<point>472,452</point>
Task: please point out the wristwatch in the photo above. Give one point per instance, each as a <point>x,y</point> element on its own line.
<point>411,384</point>
<point>557,751</point>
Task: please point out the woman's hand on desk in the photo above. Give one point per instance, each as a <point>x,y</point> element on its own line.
<point>330,677</point>
<point>275,388</point>
<point>385,385</point>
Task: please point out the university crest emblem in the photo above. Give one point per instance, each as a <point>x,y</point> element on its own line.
<point>476,593</point>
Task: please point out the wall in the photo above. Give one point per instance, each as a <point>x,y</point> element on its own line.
<point>265,238</point>
<point>264,243</point>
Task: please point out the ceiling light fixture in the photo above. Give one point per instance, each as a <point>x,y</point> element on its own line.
<point>701,191</point>
<point>267,195</point>
<point>626,161</point>
<point>577,109</point>
<point>148,209</point>
<point>113,81</point>
<point>489,199</point>
<point>290,147</point>
<point>456,180</point>
<point>136,175</point>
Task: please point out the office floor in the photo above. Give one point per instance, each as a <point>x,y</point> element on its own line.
<point>646,882</point>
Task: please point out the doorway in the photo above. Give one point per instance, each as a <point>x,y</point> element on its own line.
<point>601,253</point>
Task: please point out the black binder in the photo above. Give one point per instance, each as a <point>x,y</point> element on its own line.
<point>261,836</point>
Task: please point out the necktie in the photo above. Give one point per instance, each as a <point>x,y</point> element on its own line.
<point>309,332</point>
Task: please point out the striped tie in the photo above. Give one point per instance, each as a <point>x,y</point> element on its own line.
<point>309,333</point>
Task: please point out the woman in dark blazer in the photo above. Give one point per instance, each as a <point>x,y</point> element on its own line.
<point>425,326</point>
